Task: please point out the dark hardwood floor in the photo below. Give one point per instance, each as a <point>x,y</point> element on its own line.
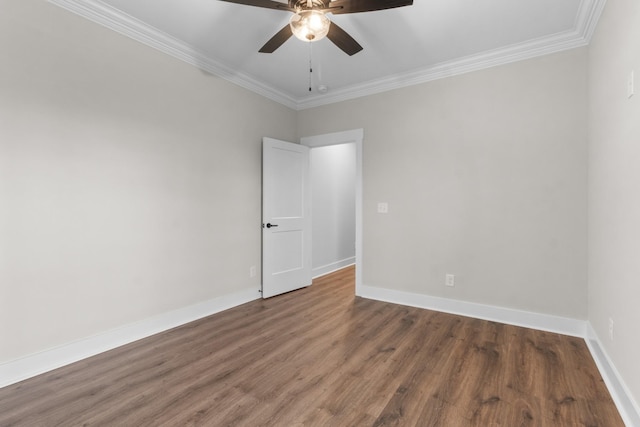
<point>321,357</point>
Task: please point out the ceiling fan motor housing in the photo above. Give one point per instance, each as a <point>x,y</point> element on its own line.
<point>308,4</point>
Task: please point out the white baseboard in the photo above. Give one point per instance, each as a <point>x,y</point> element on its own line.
<point>544,322</point>
<point>334,266</point>
<point>29,366</point>
<point>628,408</point>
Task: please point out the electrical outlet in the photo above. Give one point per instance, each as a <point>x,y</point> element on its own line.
<point>450,280</point>
<point>253,270</point>
<point>611,329</point>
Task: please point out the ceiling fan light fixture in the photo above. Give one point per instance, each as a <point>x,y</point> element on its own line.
<point>310,25</point>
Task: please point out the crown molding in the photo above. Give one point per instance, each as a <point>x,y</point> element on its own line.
<point>114,19</point>
<point>584,28</point>
<point>588,17</point>
<point>586,21</point>
<point>493,58</point>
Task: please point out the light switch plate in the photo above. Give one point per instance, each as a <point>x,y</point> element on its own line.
<point>383,207</point>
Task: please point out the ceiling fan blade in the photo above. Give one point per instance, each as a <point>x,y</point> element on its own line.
<point>277,40</point>
<point>344,41</point>
<point>355,6</point>
<point>269,4</point>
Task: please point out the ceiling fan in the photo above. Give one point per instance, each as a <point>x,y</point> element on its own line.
<point>310,22</point>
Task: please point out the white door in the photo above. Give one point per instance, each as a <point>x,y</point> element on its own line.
<point>286,217</point>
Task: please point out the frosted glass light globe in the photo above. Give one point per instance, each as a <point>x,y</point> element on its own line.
<point>310,25</point>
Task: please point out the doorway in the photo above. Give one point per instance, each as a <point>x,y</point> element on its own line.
<point>355,139</point>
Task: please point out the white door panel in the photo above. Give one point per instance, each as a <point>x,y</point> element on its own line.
<point>286,217</point>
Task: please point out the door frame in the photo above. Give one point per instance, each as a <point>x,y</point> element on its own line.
<point>351,136</point>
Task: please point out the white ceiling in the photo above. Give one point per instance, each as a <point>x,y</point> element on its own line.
<point>428,40</point>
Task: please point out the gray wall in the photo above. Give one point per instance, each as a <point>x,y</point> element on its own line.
<point>614,187</point>
<point>485,175</point>
<point>333,193</point>
<point>129,181</point>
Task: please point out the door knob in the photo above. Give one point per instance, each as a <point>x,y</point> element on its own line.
<point>269,225</point>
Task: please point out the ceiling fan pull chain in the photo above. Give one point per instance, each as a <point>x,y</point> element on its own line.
<point>310,66</point>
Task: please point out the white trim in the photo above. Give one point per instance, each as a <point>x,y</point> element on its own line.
<point>586,22</point>
<point>334,266</point>
<point>527,319</point>
<point>335,138</point>
<point>101,13</point>
<point>481,61</point>
<point>359,212</point>
<point>356,136</point>
<point>39,363</point>
<point>620,393</point>
<point>589,16</point>
<point>114,19</point>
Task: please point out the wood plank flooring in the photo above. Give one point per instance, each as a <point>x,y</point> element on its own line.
<point>322,357</point>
